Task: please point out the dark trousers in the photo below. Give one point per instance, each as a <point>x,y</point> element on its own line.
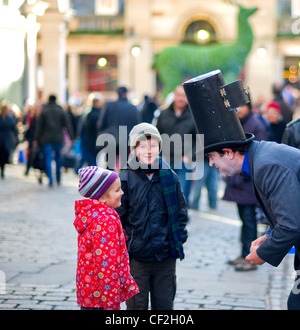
<point>293,302</point>
<point>249,227</point>
<point>158,279</point>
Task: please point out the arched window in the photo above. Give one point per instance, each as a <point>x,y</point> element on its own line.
<point>200,32</point>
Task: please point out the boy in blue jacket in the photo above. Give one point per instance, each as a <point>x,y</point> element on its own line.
<point>154,215</point>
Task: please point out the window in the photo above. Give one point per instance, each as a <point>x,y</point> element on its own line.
<point>200,32</point>
<point>106,7</point>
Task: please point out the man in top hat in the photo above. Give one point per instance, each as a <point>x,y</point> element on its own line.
<point>273,168</point>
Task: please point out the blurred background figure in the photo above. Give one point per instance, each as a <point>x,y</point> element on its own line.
<point>8,137</point>
<point>276,123</point>
<point>50,132</point>
<point>91,129</point>
<point>177,119</point>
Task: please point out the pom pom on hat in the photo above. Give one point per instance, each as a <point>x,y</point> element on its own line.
<point>94,181</point>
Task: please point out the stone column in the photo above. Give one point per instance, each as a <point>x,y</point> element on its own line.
<point>53,39</point>
<point>73,73</point>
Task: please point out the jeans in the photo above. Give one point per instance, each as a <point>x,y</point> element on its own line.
<point>211,180</point>
<point>157,278</point>
<point>249,227</point>
<point>184,182</point>
<point>50,150</point>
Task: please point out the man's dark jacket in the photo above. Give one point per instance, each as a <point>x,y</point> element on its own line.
<point>50,125</point>
<point>275,171</point>
<point>168,123</point>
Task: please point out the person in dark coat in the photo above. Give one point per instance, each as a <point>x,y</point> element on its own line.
<point>91,131</point>
<point>8,137</point>
<point>276,125</point>
<point>239,189</point>
<point>177,119</point>
<point>120,113</point>
<point>286,111</point>
<point>153,212</point>
<point>50,134</point>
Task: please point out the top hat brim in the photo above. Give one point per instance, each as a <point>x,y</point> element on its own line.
<point>227,144</point>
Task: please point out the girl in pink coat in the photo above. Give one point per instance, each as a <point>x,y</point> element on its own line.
<point>103,275</point>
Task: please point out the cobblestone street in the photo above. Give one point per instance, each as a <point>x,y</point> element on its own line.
<point>38,246</point>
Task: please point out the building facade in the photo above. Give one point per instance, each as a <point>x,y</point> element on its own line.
<point>95,45</point>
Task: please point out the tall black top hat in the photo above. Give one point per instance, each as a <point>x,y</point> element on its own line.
<point>213,105</point>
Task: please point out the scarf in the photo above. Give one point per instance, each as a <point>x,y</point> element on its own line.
<point>168,181</point>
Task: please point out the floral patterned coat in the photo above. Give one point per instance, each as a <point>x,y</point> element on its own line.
<point>103,276</point>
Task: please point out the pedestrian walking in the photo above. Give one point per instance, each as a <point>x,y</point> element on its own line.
<point>239,189</point>
<point>177,119</point>
<point>50,132</point>
<point>273,168</point>
<point>119,113</point>
<point>30,124</point>
<point>154,216</point>
<point>8,137</point>
<point>103,276</point>
<point>91,129</point>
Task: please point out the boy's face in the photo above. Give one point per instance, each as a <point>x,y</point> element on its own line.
<point>112,197</point>
<point>147,151</point>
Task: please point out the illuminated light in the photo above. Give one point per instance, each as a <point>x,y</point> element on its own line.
<point>293,78</point>
<point>135,51</point>
<point>102,62</point>
<point>261,52</point>
<point>293,69</point>
<point>286,74</point>
<point>203,34</point>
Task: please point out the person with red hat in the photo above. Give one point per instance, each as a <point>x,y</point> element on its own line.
<point>277,125</point>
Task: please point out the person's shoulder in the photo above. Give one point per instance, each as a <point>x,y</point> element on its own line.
<point>294,122</point>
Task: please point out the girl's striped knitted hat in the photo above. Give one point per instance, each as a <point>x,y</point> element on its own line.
<point>94,181</point>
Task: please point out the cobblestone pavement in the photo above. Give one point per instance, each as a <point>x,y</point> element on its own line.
<point>38,246</point>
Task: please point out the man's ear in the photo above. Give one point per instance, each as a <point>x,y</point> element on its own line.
<point>229,152</point>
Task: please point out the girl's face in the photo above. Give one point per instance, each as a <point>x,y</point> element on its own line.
<point>112,197</point>
<point>147,151</point>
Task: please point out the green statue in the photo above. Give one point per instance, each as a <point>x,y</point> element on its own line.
<point>174,64</point>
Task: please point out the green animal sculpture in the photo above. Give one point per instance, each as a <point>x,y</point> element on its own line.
<point>177,63</point>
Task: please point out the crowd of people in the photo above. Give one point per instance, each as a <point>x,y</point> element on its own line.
<point>69,136</point>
